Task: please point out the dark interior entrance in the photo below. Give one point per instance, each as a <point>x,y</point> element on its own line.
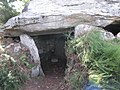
<point>114,28</point>
<point>52,52</point>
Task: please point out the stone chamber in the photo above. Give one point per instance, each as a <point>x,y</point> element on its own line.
<point>52,52</point>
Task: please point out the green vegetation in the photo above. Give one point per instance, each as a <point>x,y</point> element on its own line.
<point>25,1</point>
<point>13,73</point>
<point>6,10</point>
<point>101,57</point>
<point>77,80</point>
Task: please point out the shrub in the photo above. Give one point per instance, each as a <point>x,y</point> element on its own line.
<point>77,80</point>
<point>14,68</point>
<point>6,10</point>
<point>101,57</point>
<point>11,74</point>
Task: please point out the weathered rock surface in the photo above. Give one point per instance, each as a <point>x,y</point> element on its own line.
<point>54,16</point>
<point>17,47</point>
<point>1,32</point>
<point>30,44</point>
<point>107,35</point>
<point>83,29</point>
<point>1,49</point>
<point>118,35</point>
<point>37,71</point>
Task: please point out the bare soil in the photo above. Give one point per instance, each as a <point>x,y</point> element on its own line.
<point>53,80</point>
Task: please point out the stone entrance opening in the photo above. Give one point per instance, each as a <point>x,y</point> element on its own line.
<point>52,52</point>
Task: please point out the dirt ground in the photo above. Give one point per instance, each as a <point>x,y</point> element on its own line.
<point>53,80</point>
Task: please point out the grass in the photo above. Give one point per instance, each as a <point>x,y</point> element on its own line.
<point>101,57</point>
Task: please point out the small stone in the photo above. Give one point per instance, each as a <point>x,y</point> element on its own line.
<point>54,60</point>
<point>47,87</point>
<point>35,71</point>
<point>17,47</point>
<point>107,35</point>
<point>38,86</point>
<point>1,49</point>
<point>118,36</point>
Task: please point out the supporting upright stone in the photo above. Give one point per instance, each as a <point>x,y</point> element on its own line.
<point>83,29</point>
<point>30,44</point>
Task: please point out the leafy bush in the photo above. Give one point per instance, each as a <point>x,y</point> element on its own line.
<point>6,10</point>
<point>101,57</point>
<point>76,73</point>
<point>14,70</point>
<point>11,74</point>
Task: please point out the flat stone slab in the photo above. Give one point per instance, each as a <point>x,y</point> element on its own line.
<point>30,44</point>
<point>57,16</point>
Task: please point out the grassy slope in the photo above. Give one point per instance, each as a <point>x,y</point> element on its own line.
<point>101,57</point>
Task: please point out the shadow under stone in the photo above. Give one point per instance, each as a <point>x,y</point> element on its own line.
<point>113,28</point>
<point>52,52</point>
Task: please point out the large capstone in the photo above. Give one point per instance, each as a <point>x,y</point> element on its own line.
<point>56,16</point>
